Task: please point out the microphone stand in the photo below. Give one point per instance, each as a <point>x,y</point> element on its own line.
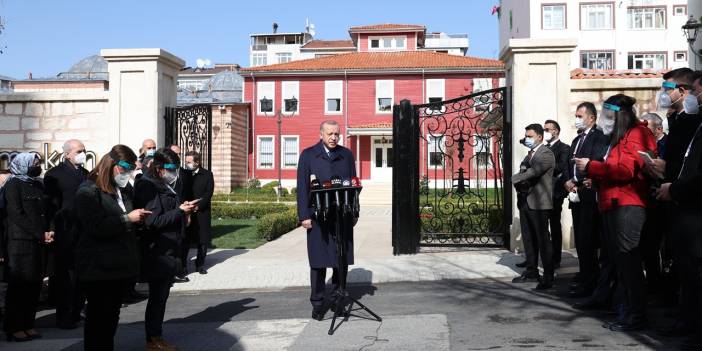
<point>343,218</point>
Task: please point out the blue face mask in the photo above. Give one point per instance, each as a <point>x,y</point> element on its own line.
<point>690,104</point>
<point>529,142</point>
<point>150,152</point>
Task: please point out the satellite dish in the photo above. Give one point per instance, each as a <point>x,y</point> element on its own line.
<point>208,62</point>
<point>311,30</point>
<point>200,63</point>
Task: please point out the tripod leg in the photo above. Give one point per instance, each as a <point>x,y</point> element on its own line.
<point>365,309</point>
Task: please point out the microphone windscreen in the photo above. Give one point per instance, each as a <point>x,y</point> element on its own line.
<point>335,181</point>
<point>355,182</point>
<point>346,182</point>
<point>327,185</point>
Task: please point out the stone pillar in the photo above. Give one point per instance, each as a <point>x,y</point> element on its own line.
<point>539,72</point>
<point>142,83</point>
<point>694,8</point>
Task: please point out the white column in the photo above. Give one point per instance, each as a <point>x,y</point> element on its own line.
<point>538,70</point>
<point>142,83</point>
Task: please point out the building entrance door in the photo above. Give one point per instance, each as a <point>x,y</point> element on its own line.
<point>381,159</point>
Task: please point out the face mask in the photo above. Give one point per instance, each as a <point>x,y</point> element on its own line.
<point>122,179</point>
<point>170,177</point>
<point>579,123</point>
<point>664,100</point>
<point>529,142</point>
<point>33,171</point>
<point>80,158</point>
<point>548,136</point>
<point>150,152</point>
<point>690,105</point>
<point>190,166</point>
<point>607,126</point>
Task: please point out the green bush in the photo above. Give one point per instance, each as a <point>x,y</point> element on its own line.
<point>246,210</point>
<point>274,225</point>
<point>253,183</point>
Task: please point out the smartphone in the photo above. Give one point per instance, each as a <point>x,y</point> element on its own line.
<point>646,157</point>
<point>195,202</point>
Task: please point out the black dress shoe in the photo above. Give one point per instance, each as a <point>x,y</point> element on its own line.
<point>12,337</point>
<point>202,270</point>
<point>181,279</point>
<point>627,327</point>
<point>318,313</point>
<point>589,305</point>
<point>544,285</point>
<point>526,278</point>
<point>521,264</point>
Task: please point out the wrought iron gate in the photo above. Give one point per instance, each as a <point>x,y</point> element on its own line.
<point>190,128</point>
<point>452,162</point>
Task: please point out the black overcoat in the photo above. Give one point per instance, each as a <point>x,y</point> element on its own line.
<point>26,220</point>
<point>321,246</point>
<point>202,188</point>
<point>60,186</point>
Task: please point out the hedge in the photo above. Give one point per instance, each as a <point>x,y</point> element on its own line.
<point>272,226</point>
<point>247,210</point>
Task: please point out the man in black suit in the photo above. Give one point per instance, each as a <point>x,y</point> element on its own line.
<point>183,187</point>
<point>60,186</point>
<point>590,143</point>
<point>561,151</point>
<point>200,229</point>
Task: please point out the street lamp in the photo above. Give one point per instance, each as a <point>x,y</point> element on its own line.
<point>290,105</point>
<point>691,29</point>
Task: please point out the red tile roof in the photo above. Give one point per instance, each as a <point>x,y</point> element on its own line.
<point>580,73</point>
<point>382,61</point>
<point>329,44</point>
<point>387,26</point>
<point>376,125</point>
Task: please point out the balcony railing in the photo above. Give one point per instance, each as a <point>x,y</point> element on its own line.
<point>257,47</point>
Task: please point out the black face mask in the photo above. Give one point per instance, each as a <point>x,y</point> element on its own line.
<point>33,171</point>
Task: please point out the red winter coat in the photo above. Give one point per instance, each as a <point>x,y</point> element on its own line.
<point>621,179</point>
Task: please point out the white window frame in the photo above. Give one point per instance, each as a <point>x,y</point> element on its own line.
<point>393,43</point>
<point>433,147</point>
<point>283,153</point>
<point>647,57</point>
<point>679,7</point>
<point>258,151</point>
<point>684,57</point>
<point>482,84</point>
<point>548,9</point>
<point>283,57</point>
<point>329,89</point>
<point>259,59</point>
<point>266,87</point>
<point>197,84</point>
<point>502,82</point>
<point>584,13</point>
<point>632,13</point>
<point>378,95</point>
<point>288,90</point>
<point>611,53</point>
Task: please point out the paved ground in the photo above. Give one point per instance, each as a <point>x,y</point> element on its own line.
<point>438,315</point>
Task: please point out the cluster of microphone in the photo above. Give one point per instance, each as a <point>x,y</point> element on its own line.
<point>334,194</point>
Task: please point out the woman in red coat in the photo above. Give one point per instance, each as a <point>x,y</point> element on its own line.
<point>622,198</point>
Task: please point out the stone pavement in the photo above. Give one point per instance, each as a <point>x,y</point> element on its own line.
<point>283,262</point>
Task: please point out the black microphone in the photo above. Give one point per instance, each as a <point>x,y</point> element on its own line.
<point>315,185</point>
<point>346,183</point>
<point>336,183</point>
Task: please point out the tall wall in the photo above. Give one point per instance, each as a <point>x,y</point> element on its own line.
<point>229,140</point>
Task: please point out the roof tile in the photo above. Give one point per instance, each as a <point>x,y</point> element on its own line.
<point>580,73</point>
<point>387,26</point>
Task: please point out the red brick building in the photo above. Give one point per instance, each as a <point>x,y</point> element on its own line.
<point>358,90</point>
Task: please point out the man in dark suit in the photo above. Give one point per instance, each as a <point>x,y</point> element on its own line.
<point>534,183</point>
<point>60,186</point>
<point>200,229</point>
<point>323,160</point>
<point>590,143</point>
<point>561,151</point>
<point>183,187</point>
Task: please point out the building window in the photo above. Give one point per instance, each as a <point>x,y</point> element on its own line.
<point>291,96</point>
<point>680,56</point>
<point>435,151</point>
<point>332,96</point>
<point>435,94</point>
<point>266,97</point>
<point>680,10</point>
<point>284,57</point>
<point>388,43</point>
<point>290,151</point>
<point>384,92</point>
<point>596,16</point>
<point>647,61</point>
<point>553,16</point>
<point>482,84</point>
<point>647,18</point>
<point>481,150</point>
<point>266,153</point>
<point>597,60</point>
<point>259,59</point>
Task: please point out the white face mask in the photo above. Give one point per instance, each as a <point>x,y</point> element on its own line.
<point>170,177</point>
<point>150,152</point>
<point>690,105</point>
<point>122,179</point>
<point>579,123</point>
<point>548,136</point>
<point>190,166</point>
<point>79,159</point>
<point>607,125</point>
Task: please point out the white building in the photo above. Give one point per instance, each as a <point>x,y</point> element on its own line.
<point>615,35</point>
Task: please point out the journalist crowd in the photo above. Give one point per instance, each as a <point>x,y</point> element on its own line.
<point>635,196</point>
<point>91,236</point>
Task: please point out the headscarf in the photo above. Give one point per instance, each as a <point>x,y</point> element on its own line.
<point>20,166</point>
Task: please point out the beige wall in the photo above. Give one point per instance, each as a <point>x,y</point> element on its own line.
<point>229,146</point>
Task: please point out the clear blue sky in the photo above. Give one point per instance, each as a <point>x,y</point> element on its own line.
<point>47,36</point>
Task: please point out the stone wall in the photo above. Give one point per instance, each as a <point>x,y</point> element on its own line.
<point>229,146</point>
<point>28,121</point>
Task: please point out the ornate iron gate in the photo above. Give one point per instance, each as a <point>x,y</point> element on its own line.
<point>190,127</point>
<point>449,183</point>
